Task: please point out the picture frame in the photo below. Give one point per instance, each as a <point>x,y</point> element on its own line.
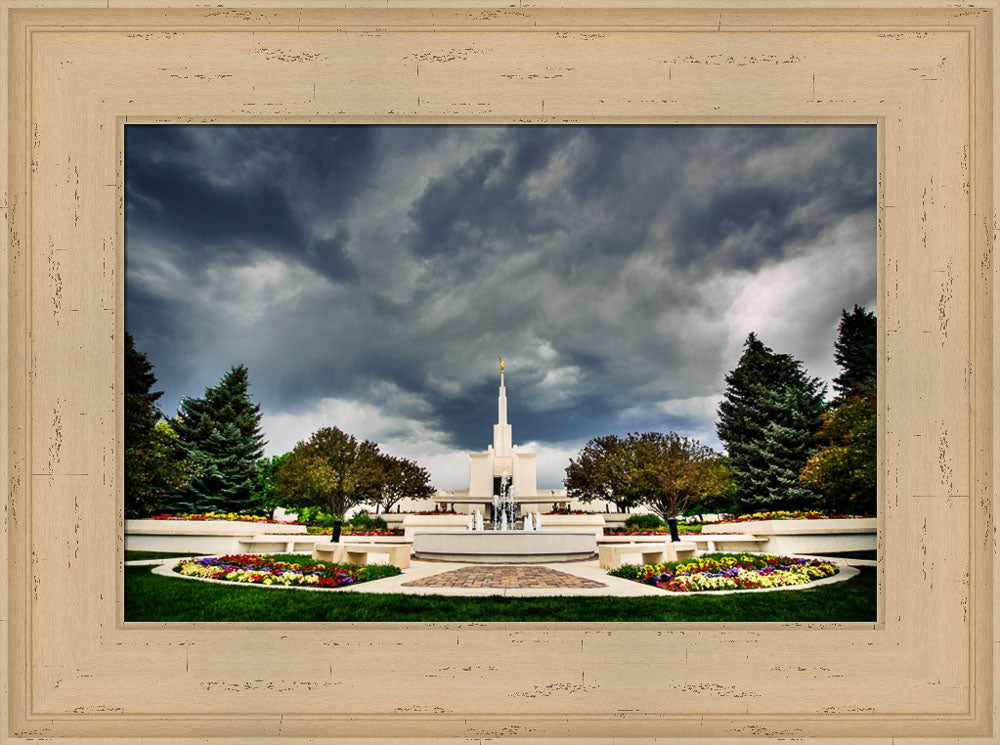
<point>77,71</point>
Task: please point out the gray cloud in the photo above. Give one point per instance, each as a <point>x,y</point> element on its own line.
<point>373,274</point>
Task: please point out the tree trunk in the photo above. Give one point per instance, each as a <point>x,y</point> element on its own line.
<point>674,535</point>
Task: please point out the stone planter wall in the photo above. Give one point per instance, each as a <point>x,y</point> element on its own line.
<point>199,536</point>
<point>806,536</point>
<point>575,524</point>
<point>413,524</point>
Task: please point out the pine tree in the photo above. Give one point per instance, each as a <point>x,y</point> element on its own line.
<point>141,411</point>
<point>150,472</point>
<point>220,436</point>
<point>768,420</point>
<point>844,469</point>
<point>855,351</point>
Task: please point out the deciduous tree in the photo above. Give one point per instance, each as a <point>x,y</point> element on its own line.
<point>154,470</point>
<point>676,473</point>
<point>844,470</point>
<point>332,470</point>
<point>604,470</point>
<point>266,486</point>
<point>401,479</point>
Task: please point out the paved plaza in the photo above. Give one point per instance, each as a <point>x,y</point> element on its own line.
<point>504,576</point>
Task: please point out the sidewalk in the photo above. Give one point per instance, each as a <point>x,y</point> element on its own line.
<point>573,578</point>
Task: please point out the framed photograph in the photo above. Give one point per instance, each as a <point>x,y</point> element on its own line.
<point>83,80</point>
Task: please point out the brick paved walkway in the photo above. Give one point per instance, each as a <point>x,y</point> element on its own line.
<point>505,576</point>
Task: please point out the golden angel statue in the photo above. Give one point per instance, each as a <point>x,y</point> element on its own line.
<point>501,363</point>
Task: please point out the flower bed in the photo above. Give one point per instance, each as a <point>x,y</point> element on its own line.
<point>728,572</point>
<point>347,531</point>
<point>262,570</point>
<point>567,511</point>
<point>230,516</point>
<point>681,530</point>
<point>786,515</point>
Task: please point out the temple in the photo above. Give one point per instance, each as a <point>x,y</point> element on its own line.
<point>487,468</point>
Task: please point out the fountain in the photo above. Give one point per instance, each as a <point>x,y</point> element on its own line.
<point>504,543</point>
<point>505,504</point>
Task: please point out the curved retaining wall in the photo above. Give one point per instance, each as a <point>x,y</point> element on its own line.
<point>505,546</point>
<point>806,536</point>
<point>200,536</point>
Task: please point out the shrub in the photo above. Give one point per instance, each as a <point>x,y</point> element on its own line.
<point>644,522</point>
<point>371,572</point>
<point>364,521</point>
<point>628,571</point>
<point>317,516</point>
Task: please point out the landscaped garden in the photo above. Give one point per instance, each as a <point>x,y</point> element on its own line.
<point>149,597</point>
<point>228,516</point>
<point>728,572</point>
<point>278,569</point>
<point>789,515</point>
<point>178,470</point>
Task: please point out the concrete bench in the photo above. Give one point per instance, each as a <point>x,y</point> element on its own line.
<point>610,554</point>
<point>357,553</point>
<point>273,544</point>
<point>726,542</point>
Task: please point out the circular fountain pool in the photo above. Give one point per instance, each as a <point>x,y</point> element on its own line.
<point>505,546</point>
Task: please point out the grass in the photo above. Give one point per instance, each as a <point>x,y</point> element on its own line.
<point>149,597</point>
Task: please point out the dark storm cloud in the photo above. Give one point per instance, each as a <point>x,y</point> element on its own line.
<point>231,195</point>
<point>369,276</point>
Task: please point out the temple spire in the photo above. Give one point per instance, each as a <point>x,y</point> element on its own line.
<point>502,398</point>
<point>501,430</point>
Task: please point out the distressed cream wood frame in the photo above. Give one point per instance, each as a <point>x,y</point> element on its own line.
<point>77,70</point>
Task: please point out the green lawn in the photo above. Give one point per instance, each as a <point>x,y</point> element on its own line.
<point>153,598</point>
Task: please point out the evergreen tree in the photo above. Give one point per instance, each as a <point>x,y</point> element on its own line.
<point>855,351</point>
<point>768,420</point>
<point>150,470</point>
<point>220,436</point>
<point>844,468</point>
<point>141,411</point>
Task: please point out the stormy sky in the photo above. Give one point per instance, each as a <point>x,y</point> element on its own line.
<point>369,276</point>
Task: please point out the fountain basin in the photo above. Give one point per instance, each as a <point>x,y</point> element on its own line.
<point>505,546</point>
